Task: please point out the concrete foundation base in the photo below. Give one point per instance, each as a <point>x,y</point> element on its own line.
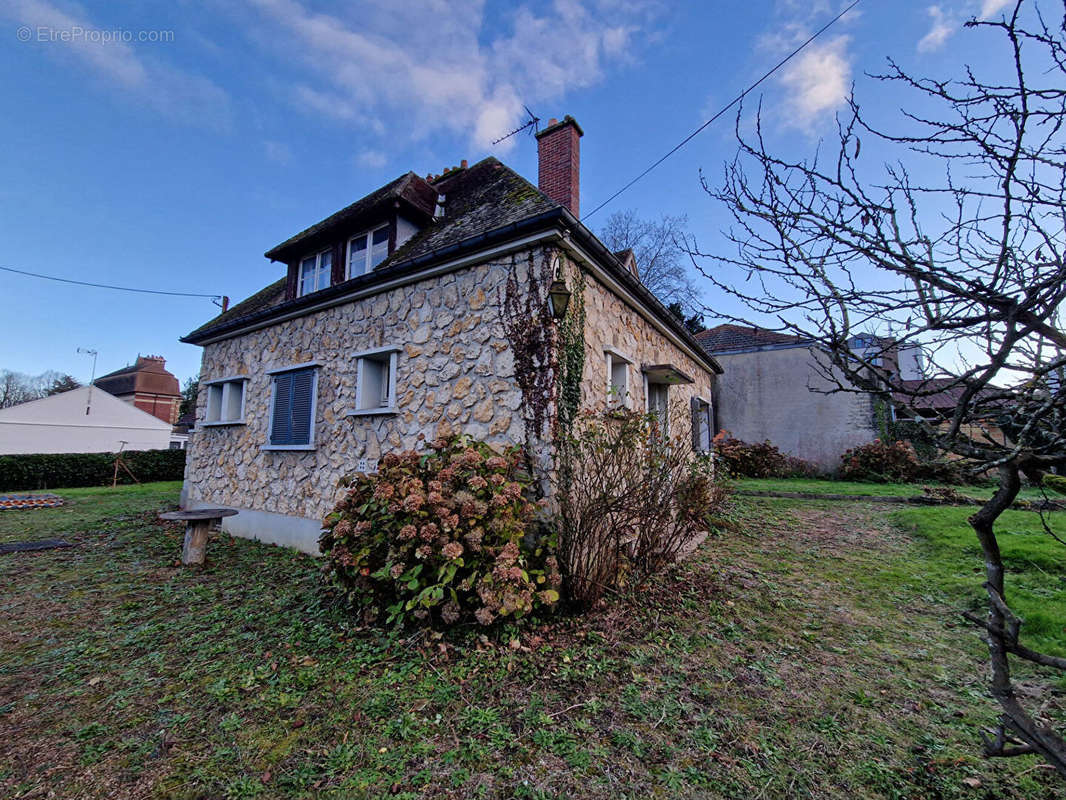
<point>299,533</point>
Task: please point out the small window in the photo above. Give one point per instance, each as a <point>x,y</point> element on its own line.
<point>701,425</point>
<point>659,403</point>
<point>292,420</point>
<point>617,381</point>
<point>367,250</point>
<point>375,382</point>
<point>315,272</point>
<point>225,402</point>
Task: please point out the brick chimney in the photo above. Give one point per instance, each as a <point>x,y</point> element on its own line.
<point>559,162</point>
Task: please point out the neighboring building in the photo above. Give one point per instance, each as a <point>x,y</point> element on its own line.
<point>146,384</point>
<point>423,310</point>
<point>83,420</point>
<point>773,388</point>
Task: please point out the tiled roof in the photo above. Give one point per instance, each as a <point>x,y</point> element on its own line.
<point>738,337</point>
<point>273,295</point>
<point>939,394</point>
<point>484,203</point>
<point>482,198</point>
<point>411,189</point>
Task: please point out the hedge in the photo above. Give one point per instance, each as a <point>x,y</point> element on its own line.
<point>65,470</point>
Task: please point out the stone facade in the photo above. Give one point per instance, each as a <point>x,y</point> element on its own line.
<point>780,395</point>
<point>614,325</point>
<point>455,373</point>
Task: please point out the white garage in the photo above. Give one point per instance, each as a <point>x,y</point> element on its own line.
<point>80,422</point>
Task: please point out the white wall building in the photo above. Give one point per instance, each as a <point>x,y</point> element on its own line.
<point>60,424</point>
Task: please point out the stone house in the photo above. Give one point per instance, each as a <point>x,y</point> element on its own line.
<point>429,307</point>
<point>774,388</point>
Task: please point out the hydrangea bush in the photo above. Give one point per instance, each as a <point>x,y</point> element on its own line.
<point>441,536</point>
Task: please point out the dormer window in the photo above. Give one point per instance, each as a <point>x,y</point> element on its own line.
<point>367,250</point>
<point>314,273</point>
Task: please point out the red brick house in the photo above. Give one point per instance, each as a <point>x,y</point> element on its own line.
<point>147,385</point>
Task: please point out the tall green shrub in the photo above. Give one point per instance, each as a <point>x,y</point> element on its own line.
<point>68,470</point>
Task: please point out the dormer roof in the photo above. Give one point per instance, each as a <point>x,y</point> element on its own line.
<point>408,193</point>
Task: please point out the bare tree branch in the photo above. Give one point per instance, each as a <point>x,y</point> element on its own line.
<point>955,247</point>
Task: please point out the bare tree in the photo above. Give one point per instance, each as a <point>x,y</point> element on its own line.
<point>659,248</point>
<point>62,383</point>
<point>958,247</point>
<point>17,387</point>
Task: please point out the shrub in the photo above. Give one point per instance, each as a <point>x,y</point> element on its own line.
<point>68,470</point>
<point>894,462</point>
<point>630,499</point>
<point>1057,483</point>
<point>441,537</point>
<point>760,460</point>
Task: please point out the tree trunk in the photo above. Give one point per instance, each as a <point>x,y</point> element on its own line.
<point>1002,630</point>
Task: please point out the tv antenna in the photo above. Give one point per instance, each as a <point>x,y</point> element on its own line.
<point>92,376</point>
<point>531,122</point>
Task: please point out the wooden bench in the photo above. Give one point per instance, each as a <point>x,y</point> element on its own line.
<point>197,524</point>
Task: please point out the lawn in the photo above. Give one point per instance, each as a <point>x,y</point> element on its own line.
<point>826,486</point>
<point>795,655</point>
<point>950,558</point>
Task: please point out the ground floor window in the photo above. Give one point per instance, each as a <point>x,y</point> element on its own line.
<point>293,408</point>
<point>702,425</point>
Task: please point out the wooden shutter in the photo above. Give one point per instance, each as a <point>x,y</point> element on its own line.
<point>281,427</point>
<point>694,409</point>
<point>303,383</point>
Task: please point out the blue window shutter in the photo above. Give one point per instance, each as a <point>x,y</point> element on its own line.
<point>302,385</point>
<point>281,430</point>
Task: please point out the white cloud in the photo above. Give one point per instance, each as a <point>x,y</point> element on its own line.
<point>990,7</point>
<point>818,80</point>
<point>431,65</point>
<point>177,94</point>
<point>941,29</point>
<point>373,159</point>
<point>278,152</point>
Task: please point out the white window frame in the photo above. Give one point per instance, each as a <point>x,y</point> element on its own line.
<point>366,268</point>
<point>665,419</point>
<point>328,273</point>
<point>377,354</point>
<point>709,421</point>
<point>314,366</point>
<point>227,385</point>
<point>617,400</point>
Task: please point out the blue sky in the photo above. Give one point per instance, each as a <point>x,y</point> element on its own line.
<point>167,145</point>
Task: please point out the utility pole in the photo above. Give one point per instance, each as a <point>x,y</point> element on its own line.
<point>92,377</point>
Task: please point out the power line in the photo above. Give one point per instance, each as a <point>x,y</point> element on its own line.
<point>724,109</point>
<point>109,286</point>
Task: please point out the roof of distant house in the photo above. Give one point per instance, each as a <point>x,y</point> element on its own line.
<point>724,338</point>
<point>147,374</point>
<point>936,394</point>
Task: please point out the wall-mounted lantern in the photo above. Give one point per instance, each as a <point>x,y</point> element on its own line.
<point>560,297</point>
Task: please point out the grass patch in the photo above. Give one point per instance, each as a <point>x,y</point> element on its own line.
<point>827,486</point>
<point>1035,564</point>
<point>790,657</point>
